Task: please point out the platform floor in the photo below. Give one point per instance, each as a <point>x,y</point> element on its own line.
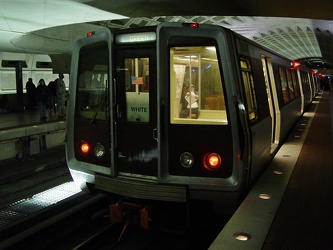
<point>304,219</point>
<point>291,206</point>
<point>10,120</point>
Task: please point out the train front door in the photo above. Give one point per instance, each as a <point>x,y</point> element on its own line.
<point>136,113</point>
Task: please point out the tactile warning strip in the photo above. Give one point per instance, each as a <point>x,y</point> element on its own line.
<point>22,208</point>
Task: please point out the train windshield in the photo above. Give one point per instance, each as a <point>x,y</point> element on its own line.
<point>196,91</point>
<point>92,85</point>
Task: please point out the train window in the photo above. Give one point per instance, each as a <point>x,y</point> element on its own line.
<point>305,82</point>
<point>290,85</point>
<point>249,89</point>
<point>137,89</point>
<point>295,83</point>
<point>284,85</point>
<point>92,85</point>
<point>196,91</point>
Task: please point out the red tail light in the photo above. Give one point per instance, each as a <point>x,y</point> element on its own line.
<point>91,33</point>
<point>295,65</point>
<point>212,161</point>
<point>191,25</point>
<point>85,147</point>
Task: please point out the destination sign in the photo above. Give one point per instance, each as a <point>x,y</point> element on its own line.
<point>137,106</point>
<point>142,37</point>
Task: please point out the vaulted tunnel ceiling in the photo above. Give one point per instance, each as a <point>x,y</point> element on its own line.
<point>298,29</point>
<point>294,38</point>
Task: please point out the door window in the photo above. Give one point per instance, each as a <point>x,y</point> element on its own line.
<point>290,85</point>
<point>250,94</point>
<point>284,85</point>
<point>137,89</point>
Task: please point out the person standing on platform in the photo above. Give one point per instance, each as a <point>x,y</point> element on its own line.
<point>42,98</point>
<point>61,96</point>
<point>52,88</point>
<point>31,94</point>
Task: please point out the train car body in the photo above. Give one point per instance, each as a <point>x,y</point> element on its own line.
<point>177,112</point>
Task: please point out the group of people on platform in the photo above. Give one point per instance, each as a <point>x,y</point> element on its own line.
<point>53,95</point>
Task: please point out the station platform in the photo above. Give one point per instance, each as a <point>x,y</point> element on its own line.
<point>291,205</point>
<point>10,120</point>
<point>24,134</point>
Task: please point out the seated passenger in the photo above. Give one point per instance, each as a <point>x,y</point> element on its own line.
<point>96,83</point>
<point>192,104</point>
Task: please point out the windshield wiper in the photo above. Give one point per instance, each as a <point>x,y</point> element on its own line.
<point>93,118</point>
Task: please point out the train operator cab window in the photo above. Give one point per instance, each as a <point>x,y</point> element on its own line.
<point>92,85</point>
<point>250,95</point>
<point>196,91</point>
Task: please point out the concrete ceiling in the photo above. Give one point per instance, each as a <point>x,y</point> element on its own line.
<point>296,29</point>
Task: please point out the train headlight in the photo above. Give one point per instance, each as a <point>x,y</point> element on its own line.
<point>85,147</point>
<point>186,159</point>
<point>99,151</point>
<point>212,161</point>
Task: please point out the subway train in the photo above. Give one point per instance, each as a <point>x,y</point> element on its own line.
<point>179,112</point>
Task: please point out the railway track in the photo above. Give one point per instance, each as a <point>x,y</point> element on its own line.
<point>82,221</point>
<point>166,231</point>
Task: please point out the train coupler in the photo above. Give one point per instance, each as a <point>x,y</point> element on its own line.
<point>130,213</point>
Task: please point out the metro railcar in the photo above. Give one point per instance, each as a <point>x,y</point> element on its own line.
<point>127,134</point>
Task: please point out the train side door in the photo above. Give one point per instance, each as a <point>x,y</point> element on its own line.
<point>272,101</point>
<point>136,142</point>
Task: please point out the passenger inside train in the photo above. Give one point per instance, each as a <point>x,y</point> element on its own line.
<point>191,106</point>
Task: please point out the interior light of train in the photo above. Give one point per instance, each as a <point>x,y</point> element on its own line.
<point>91,33</point>
<point>186,160</point>
<point>212,161</point>
<point>85,147</point>
<point>211,48</point>
<point>99,150</point>
<point>136,37</point>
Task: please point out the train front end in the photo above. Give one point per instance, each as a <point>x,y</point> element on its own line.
<point>155,115</point>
